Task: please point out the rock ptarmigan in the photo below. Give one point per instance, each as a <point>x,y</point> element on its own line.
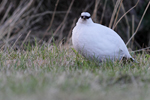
<point>94,40</point>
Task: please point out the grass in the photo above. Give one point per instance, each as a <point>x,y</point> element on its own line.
<point>50,72</point>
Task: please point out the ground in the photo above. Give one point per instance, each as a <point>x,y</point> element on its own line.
<point>57,73</point>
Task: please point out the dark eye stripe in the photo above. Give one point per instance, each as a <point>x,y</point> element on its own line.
<point>86,17</point>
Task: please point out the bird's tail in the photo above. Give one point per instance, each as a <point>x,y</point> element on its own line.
<point>133,60</point>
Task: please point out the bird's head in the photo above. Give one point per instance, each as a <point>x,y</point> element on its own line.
<point>85,18</point>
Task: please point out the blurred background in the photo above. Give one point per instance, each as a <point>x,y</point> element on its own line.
<point>48,21</point>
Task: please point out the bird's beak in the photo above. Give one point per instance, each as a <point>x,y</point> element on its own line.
<point>84,17</point>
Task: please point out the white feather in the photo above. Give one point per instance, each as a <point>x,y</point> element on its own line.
<point>95,40</point>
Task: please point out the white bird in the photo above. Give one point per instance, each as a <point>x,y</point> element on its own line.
<point>94,40</point>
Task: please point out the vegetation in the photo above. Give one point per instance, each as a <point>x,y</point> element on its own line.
<point>25,20</point>
<point>37,60</point>
<point>50,72</point>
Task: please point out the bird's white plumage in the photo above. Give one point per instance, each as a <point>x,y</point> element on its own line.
<point>85,14</point>
<point>95,40</point>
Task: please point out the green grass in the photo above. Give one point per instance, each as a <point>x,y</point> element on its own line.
<point>47,72</point>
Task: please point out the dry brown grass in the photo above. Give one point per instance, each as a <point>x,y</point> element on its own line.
<point>23,21</point>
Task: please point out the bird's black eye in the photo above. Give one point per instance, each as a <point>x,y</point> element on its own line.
<point>85,17</point>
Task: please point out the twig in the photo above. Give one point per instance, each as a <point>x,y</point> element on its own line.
<point>14,18</point>
<point>63,25</point>
<point>88,6</point>
<point>114,12</point>
<point>47,12</point>
<point>38,6</point>
<point>62,22</point>
<point>138,24</point>
<point>73,24</point>
<point>8,36</point>
<point>53,16</point>
<point>126,19</point>
<point>2,5</point>
<point>132,30</point>
<point>51,20</point>
<point>103,12</point>
<point>94,15</point>
<point>55,32</point>
<point>117,13</point>
<point>137,44</point>
<point>15,42</point>
<point>25,38</point>
<point>23,10</point>
<point>6,14</point>
<point>30,11</point>
<point>141,49</point>
<point>125,14</point>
